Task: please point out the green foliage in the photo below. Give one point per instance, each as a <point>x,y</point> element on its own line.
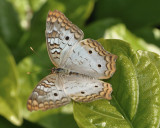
<point>134,13</point>
<point>136,94</point>
<point>10,104</point>
<point>10,30</point>
<point>136,83</point>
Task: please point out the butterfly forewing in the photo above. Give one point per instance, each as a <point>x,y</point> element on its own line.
<point>90,58</point>
<point>47,94</point>
<point>66,50</point>
<point>61,36</point>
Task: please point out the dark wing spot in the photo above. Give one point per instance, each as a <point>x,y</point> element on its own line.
<point>99,65</point>
<point>90,52</point>
<point>55,94</point>
<point>82,92</point>
<point>96,86</point>
<point>67,38</point>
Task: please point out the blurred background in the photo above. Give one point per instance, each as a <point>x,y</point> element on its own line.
<point>22,25</point>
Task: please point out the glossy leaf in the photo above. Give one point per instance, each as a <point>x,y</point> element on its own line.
<point>9,101</point>
<point>148,70</point>
<point>120,31</point>
<point>136,92</point>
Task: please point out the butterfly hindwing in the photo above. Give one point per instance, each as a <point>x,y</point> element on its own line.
<point>82,88</point>
<point>47,94</point>
<point>61,35</point>
<point>91,59</point>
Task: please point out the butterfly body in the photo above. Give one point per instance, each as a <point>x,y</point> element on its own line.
<point>79,66</point>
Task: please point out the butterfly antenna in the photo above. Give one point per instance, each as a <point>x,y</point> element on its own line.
<point>47,66</point>
<point>29,73</point>
<point>33,50</point>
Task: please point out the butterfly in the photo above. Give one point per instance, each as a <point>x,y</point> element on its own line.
<point>79,66</point>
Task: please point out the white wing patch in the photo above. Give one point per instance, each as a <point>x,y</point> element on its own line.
<point>90,58</point>
<point>85,89</point>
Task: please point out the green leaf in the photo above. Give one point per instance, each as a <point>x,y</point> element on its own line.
<point>6,124</point>
<point>134,14</point>
<point>59,120</point>
<point>36,5</point>
<point>119,31</point>
<point>136,92</point>
<point>26,9</point>
<point>23,9</point>
<point>151,35</point>
<point>9,100</point>
<point>97,29</point>
<point>10,30</point>
<point>148,70</point>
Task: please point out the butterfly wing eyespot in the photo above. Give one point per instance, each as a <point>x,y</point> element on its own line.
<point>90,52</point>
<point>99,65</point>
<point>83,92</point>
<point>67,37</point>
<point>55,94</point>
